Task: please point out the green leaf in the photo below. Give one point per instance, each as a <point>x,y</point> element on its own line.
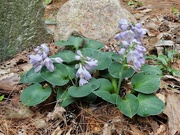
<point>130,3</point>
<point>90,98</point>
<point>1,97</point>
<point>170,54</point>
<point>151,69</point>
<point>162,59</point>
<point>128,106</point>
<point>84,90</point>
<point>64,98</point>
<point>153,57</point>
<point>145,83</point>
<point>115,69</point>
<point>117,57</point>
<point>149,105</point>
<point>35,94</point>
<point>31,77</point>
<point>103,60</point>
<point>90,43</point>
<point>72,41</point>
<point>71,71</point>
<point>58,77</point>
<point>66,55</point>
<point>175,72</point>
<point>104,91</point>
<point>46,2</point>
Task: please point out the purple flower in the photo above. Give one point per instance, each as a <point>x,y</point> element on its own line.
<point>117,36</point>
<point>91,64</point>
<point>49,64</point>
<point>38,68</point>
<point>140,48</point>
<point>86,64</point>
<point>42,49</point>
<point>41,59</point>
<point>123,24</point>
<point>139,33</point>
<point>36,61</point>
<point>79,55</point>
<point>58,60</point>
<point>82,81</point>
<point>83,73</point>
<point>35,58</point>
<point>137,59</point>
<point>122,51</point>
<point>130,38</point>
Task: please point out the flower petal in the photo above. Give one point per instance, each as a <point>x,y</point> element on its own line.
<point>82,81</point>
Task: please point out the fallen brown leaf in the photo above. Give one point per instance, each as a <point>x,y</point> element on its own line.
<point>9,82</point>
<point>57,113</point>
<point>172,110</point>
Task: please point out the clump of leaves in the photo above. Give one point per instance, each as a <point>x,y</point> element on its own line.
<point>46,2</point>
<point>84,72</point>
<point>175,11</point>
<point>135,3</point>
<point>164,62</point>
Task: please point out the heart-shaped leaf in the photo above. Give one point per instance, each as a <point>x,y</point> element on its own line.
<point>90,98</point>
<point>90,43</point>
<point>64,98</point>
<point>104,91</point>
<point>31,77</point>
<point>151,69</point>
<point>72,41</point>
<point>71,71</point>
<point>115,69</point>
<point>58,77</point>
<point>116,57</point>
<point>149,105</point>
<point>84,90</point>
<point>66,55</point>
<point>103,60</point>
<point>35,94</point>
<point>145,83</point>
<point>128,106</point>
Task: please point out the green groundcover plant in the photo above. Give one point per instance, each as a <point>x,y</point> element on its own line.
<point>164,62</point>
<point>83,71</point>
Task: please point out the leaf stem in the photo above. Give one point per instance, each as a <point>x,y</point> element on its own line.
<point>120,75</point>
<point>114,84</point>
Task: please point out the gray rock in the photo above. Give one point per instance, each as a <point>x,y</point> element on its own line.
<point>21,26</point>
<point>96,19</point>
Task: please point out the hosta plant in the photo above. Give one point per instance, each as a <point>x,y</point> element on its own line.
<point>82,71</point>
